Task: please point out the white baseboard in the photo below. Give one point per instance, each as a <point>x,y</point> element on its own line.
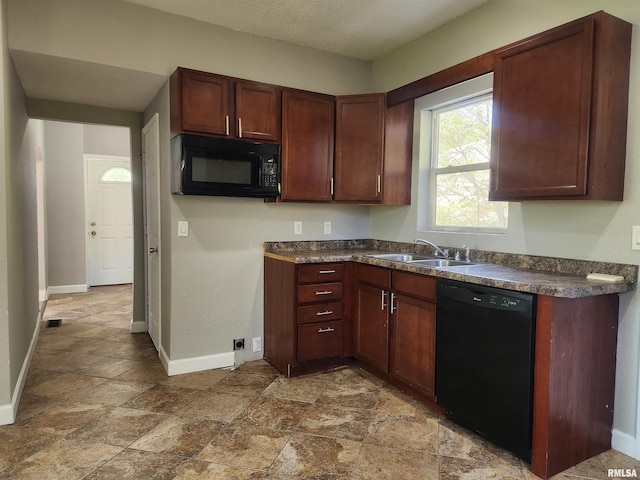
<point>625,443</point>
<point>196,364</point>
<point>137,326</point>
<point>67,289</point>
<point>8,412</point>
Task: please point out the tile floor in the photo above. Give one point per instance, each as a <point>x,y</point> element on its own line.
<point>97,405</point>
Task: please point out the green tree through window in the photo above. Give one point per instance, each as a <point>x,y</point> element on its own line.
<point>459,177</point>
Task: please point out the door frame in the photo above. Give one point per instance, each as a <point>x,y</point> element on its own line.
<point>154,122</point>
<point>87,158</point>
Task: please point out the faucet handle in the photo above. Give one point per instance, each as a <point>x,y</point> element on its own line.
<point>446,253</point>
<point>466,253</point>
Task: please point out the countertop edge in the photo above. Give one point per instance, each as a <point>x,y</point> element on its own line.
<point>491,275</point>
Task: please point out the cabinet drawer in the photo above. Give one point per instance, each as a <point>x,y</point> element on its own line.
<point>415,285</point>
<point>374,275</point>
<point>320,292</point>
<point>320,272</point>
<point>320,340</point>
<point>321,312</point>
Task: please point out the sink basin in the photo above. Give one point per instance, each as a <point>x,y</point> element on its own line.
<point>441,262</point>
<point>401,257</point>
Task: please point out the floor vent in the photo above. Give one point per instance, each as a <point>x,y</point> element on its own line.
<point>55,322</point>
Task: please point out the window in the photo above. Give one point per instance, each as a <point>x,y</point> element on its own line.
<point>116,175</point>
<point>455,131</point>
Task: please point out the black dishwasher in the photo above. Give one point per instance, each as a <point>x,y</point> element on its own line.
<point>484,361</point>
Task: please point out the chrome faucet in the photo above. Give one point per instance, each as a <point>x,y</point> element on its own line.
<point>444,253</point>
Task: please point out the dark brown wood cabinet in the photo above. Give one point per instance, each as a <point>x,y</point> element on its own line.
<point>413,335</point>
<point>345,150</point>
<point>307,146</point>
<point>204,103</point>
<point>560,113</point>
<point>359,148</point>
<point>371,316</point>
<point>394,326</point>
<point>305,325</point>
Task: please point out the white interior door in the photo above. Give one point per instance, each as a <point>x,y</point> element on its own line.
<point>151,162</point>
<point>110,226</point>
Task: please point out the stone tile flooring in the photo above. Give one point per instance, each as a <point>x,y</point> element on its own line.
<point>98,405</point>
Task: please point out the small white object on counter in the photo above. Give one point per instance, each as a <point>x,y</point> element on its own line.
<point>603,277</point>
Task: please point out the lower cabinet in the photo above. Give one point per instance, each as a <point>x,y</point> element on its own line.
<point>394,326</point>
<point>306,320</point>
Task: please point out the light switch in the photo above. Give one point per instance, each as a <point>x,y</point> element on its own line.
<point>183,228</point>
<point>327,228</point>
<point>297,228</point>
<point>635,237</point>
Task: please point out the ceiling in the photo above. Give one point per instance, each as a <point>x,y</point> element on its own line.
<point>364,29</point>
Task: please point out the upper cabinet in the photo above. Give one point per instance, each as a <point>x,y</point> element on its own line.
<point>307,146</point>
<point>204,103</point>
<point>359,148</point>
<point>371,161</point>
<point>560,113</point>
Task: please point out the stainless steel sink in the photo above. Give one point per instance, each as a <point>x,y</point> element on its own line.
<point>441,262</point>
<point>401,257</point>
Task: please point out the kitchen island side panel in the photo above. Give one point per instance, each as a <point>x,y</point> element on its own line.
<point>279,313</point>
<point>575,362</point>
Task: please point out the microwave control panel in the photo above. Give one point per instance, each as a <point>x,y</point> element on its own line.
<point>270,173</point>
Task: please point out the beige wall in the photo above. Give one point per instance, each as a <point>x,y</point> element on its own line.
<point>585,230</point>
<point>21,139</point>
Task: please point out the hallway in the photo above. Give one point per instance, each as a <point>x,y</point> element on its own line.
<point>98,405</point>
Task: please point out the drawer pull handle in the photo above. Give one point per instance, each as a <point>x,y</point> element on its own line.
<point>325,292</point>
<point>325,272</point>
<point>326,312</point>
<point>326,330</point>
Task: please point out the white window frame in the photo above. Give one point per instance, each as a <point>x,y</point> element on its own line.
<point>424,126</point>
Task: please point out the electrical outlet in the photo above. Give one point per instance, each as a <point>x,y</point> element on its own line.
<point>327,228</point>
<point>238,344</point>
<point>257,344</point>
<point>183,228</point>
<point>635,238</point>
<point>297,228</point>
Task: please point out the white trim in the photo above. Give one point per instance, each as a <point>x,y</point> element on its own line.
<point>137,326</point>
<point>196,364</point>
<point>67,289</point>
<point>625,443</point>
<point>8,413</point>
<point>43,295</point>
<point>153,123</point>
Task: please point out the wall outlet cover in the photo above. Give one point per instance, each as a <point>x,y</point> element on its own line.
<point>257,344</point>
<point>238,344</point>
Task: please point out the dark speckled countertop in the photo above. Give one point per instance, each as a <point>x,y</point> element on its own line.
<point>557,277</point>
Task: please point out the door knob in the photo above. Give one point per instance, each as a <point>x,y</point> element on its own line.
<point>93,233</point>
<point>153,250</point>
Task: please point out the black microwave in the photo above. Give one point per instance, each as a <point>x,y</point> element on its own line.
<point>224,167</point>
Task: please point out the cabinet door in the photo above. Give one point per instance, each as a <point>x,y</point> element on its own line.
<point>371,330</point>
<point>542,104</point>
<point>258,111</point>
<point>413,342</point>
<point>359,148</point>
<point>307,146</point>
<point>205,103</point>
